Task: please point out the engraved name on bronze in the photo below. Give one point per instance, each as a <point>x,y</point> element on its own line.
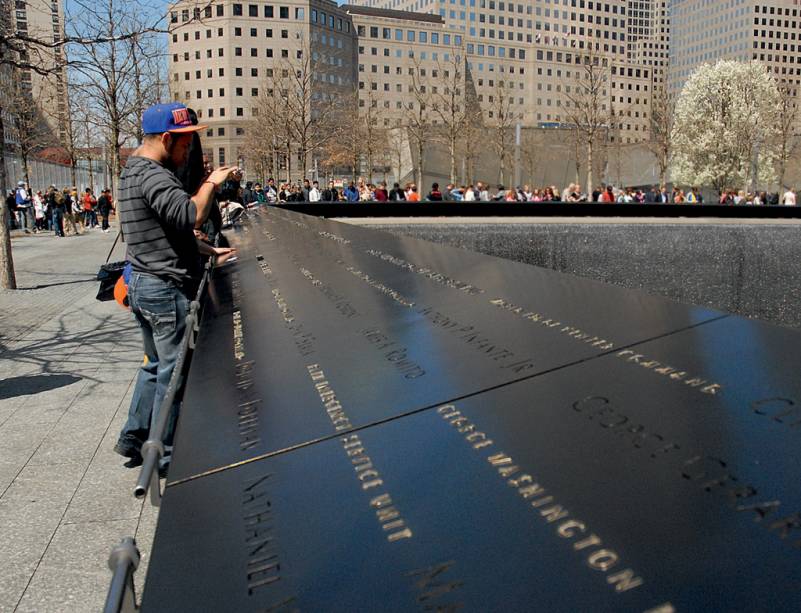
<point>671,372</point>
<point>711,474</point>
<point>375,284</point>
<point>263,567</point>
<point>477,340</point>
<point>597,554</point>
<point>428,273</point>
<point>304,341</point>
<point>549,322</point>
<point>436,587</point>
<point>394,353</point>
<point>783,411</point>
<point>386,511</point>
<point>338,300</point>
<point>248,407</point>
<point>334,237</point>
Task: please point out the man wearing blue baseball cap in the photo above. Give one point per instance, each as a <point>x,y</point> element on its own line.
<point>157,219</point>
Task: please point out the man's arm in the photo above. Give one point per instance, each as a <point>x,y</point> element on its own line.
<point>221,254</point>
<point>205,194</point>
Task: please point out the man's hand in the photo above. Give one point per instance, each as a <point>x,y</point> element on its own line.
<point>223,254</point>
<point>221,174</point>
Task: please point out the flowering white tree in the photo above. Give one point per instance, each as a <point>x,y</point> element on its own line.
<point>725,130</point>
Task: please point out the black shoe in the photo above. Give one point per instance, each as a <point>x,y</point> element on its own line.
<point>129,447</point>
<point>134,462</point>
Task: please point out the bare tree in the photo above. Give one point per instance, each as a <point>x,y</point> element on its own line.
<point>110,72</point>
<point>661,127</point>
<point>397,149</point>
<point>43,53</point>
<point>28,130</point>
<point>300,114</point>
<point>417,116</point>
<point>473,130</point>
<point>789,132</point>
<point>448,98</point>
<point>370,129</point>
<point>589,104</point>
<point>361,139</point>
<point>501,120</point>
<point>532,152</point>
<point>272,115</point>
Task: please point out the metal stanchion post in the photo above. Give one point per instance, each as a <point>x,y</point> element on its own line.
<point>123,561</point>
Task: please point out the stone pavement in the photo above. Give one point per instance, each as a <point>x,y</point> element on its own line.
<point>67,366</point>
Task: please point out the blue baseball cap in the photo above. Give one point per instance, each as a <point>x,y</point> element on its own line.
<point>173,117</point>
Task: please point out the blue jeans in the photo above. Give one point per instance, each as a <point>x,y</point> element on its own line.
<point>160,309</point>
<point>57,222</point>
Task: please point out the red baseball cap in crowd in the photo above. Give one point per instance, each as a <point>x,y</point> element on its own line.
<point>173,117</point>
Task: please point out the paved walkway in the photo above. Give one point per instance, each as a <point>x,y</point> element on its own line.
<point>67,365</point>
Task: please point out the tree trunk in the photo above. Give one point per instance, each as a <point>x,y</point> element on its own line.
<point>453,158</point>
<point>73,171</point>
<point>589,166</point>
<point>8,279</point>
<point>116,163</point>
<point>420,165</point>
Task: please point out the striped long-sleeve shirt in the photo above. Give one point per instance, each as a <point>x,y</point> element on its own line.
<point>158,218</point>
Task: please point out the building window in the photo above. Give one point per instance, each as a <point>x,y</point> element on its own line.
<point>253,10</point>
<point>300,14</point>
<point>268,12</point>
<point>220,10</point>
<point>220,131</point>
<point>283,12</point>
<point>240,112</point>
<point>237,10</point>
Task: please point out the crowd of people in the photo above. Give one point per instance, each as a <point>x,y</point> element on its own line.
<point>362,191</point>
<point>66,211</point>
<point>61,211</point>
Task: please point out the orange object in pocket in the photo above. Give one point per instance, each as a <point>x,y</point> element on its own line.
<point>121,292</point>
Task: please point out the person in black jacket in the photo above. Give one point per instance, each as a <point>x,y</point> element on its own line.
<point>104,207</point>
<point>434,195</point>
<point>396,194</point>
<point>330,193</point>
